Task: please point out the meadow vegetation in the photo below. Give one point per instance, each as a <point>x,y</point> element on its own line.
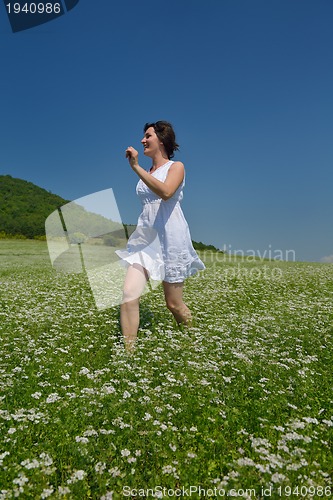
<point>239,402</point>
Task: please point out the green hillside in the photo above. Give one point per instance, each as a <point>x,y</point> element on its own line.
<point>25,206</point>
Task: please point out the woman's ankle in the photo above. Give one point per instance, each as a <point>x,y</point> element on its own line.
<point>129,344</point>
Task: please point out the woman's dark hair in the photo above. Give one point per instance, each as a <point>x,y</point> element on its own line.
<point>166,134</point>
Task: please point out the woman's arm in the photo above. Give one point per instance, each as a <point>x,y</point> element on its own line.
<point>164,189</point>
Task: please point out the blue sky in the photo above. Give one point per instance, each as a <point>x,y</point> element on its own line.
<point>247,85</point>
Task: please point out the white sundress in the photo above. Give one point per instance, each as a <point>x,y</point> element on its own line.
<point>162,242</point>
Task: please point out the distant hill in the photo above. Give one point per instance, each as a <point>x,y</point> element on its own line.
<point>24,207</point>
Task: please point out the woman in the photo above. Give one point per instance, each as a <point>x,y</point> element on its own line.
<point>161,247</point>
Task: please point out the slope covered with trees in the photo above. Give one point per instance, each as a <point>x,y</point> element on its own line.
<point>24,207</point>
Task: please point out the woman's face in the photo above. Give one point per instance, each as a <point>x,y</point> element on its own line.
<point>151,143</point>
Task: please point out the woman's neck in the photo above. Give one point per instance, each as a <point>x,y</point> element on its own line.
<point>158,161</point>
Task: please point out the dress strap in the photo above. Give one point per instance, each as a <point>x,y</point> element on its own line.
<point>168,163</point>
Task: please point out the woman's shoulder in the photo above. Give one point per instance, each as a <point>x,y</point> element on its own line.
<point>177,170</point>
<point>177,164</point>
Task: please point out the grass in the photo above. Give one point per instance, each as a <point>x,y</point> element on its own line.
<point>240,403</point>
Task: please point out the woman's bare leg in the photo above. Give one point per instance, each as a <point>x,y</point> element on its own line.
<point>173,293</point>
<point>135,281</point>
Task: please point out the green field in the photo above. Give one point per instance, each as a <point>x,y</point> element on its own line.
<point>240,404</point>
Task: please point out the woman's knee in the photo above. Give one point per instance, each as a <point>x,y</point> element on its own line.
<point>173,293</point>
<point>132,291</point>
<point>131,294</point>
<point>134,284</point>
<point>174,306</point>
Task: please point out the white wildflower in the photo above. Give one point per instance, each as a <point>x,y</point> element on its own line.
<point>108,496</point>
<point>255,442</point>
<point>293,436</point>
<point>204,382</point>
<point>114,472</point>
<point>245,461</point>
<point>78,475</point>
<point>88,390</point>
<point>52,398</point>
<point>90,432</point>
<point>3,455</point>
<point>168,469</point>
<point>36,395</point>
<point>63,490</point>
<point>263,468</point>
<point>21,479</point>
<point>293,466</point>
<point>30,464</point>
<point>100,467</point>
<point>310,420</point>
<point>278,478</point>
<point>46,459</point>
<point>46,492</point>
<point>292,406</point>
<point>84,371</point>
<point>296,424</point>
<point>80,439</point>
<point>125,453</point>
<point>108,389</point>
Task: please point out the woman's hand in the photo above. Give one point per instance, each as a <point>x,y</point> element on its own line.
<point>133,157</point>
